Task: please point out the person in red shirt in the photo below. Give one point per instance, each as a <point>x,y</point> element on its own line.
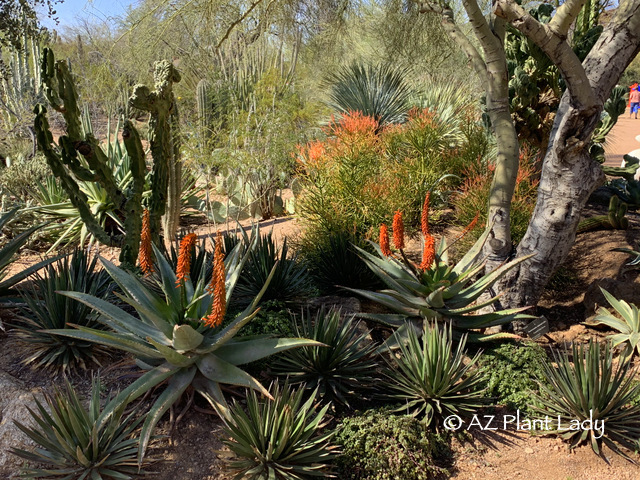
<point>634,101</point>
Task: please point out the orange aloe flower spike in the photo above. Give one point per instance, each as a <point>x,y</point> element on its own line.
<point>398,230</point>
<point>184,257</point>
<point>425,215</point>
<point>384,240</point>
<point>217,287</point>
<point>428,252</point>
<point>145,252</point>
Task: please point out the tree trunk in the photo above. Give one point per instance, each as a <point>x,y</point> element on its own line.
<point>569,174</point>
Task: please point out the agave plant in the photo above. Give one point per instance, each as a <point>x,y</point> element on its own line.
<point>278,438</point>
<point>79,443</point>
<point>345,364</point>
<point>8,255</point>
<point>380,92</point>
<point>432,379</point>
<point>435,289</point>
<point>628,326</point>
<point>584,385</point>
<point>635,253</point>
<point>47,309</point>
<point>290,279</point>
<point>180,335</point>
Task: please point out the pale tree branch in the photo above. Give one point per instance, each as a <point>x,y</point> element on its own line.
<point>481,27</point>
<point>454,32</point>
<point>554,46</point>
<point>564,17</point>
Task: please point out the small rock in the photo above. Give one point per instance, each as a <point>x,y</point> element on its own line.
<point>528,450</point>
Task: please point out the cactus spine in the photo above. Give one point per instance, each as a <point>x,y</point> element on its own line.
<point>164,138</point>
<point>79,156</point>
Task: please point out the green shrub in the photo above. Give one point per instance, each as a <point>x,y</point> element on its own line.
<point>22,176</point>
<point>380,446</point>
<point>512,372</point>
<point>273,318</point>
<point>343,365</point>
<point>279,438</point>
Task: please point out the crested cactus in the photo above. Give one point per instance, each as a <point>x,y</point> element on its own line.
<point>79,156</point>
<point>164,138</point>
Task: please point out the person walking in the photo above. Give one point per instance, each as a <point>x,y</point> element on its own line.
<point>634,101</point>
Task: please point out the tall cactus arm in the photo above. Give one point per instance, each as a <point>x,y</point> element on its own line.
<point>133,206</point>
<point>61,92</point>
<point>77,197</point>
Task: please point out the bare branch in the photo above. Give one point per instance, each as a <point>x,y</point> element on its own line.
<point>554,46</point>
<point>564,17</point>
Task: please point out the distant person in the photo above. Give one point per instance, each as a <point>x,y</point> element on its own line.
<point>634,101</point>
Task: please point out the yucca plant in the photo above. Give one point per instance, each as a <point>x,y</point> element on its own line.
<point>432,379</point>
<point>74,442</point>
<point>434,289</point>
<point>628,325</point>
<point>290,279</point>
<point>379,91</point>
<point>343,365</point>
<point>181,335</point>
<point>8,255</point>
<point>279,438</point>
<point>47,309</point>
<point>584,384</point>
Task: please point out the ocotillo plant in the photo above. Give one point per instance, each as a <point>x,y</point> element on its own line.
<point>164,138</point>
<point>91,165</point>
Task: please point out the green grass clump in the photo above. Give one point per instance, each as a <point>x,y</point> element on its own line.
<point>380,446</point>
<point>512,372</point>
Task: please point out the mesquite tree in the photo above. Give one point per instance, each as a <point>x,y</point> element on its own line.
<point>79,156</point>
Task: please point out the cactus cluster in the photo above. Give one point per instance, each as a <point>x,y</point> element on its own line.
<point>615,219</point>
<point>79,156</point>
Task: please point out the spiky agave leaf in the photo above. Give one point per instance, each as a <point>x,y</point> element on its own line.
<point>279,437</point>
<point>585,384</point>
<point>431,379</point>
<point>343,365</point>
<point>73,444</point>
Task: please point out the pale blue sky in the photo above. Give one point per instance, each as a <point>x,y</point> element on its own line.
<point>69,11</point>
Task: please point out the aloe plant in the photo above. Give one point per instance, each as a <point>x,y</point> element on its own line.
<point>173,339</point>
<point>628,326</point>
<point>443,292</point>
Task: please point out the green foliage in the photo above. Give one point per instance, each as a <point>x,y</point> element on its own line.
<point>584,383</point>
<point>22,176</point>
<point>635,253</point>
<point>376,91</point>
<point>628,326</point>
<point>616,218</point>
<point>512,372</point>
<point>279,438</point>
<point>47,309</point>
<point>343,365</point>
<point>432,380</point>
<point>333,261</point>
<point>378,445</point>
<point>290,279</point>
<point>81,443</point>
<point>173,339</point>
<point>272,319</point>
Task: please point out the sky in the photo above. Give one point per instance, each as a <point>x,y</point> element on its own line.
<point>69,11</point>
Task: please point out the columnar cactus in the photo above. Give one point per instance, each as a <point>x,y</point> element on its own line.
<point>204,106</point>
<point>78,155</point>
<point>165,147</point>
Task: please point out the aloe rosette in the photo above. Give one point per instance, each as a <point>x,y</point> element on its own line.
<point>172,341</point>
<point>438,292</point>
